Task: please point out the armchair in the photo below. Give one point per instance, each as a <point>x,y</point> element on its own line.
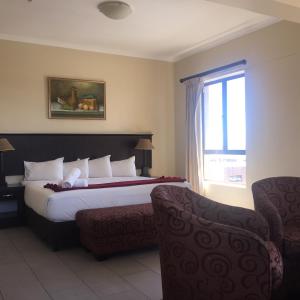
<point>210,250</point>
<point>278,200</point>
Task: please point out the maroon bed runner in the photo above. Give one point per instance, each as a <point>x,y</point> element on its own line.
<point>58,188</point>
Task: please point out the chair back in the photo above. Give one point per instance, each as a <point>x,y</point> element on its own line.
<point>203,259</point>
<point>283,193</point>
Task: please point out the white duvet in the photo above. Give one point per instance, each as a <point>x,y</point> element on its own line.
<point>62,206</point>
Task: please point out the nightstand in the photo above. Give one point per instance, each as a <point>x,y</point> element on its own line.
<point>11,205</point>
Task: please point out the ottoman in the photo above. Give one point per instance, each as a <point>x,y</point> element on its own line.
<point>105,231</point>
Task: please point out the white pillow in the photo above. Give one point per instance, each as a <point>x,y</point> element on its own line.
<point>100,167</point>
<point>46,170</point>
<point>124,168</point>
<point>81,164</point>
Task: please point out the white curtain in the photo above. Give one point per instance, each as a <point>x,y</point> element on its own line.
<point>194,157</point>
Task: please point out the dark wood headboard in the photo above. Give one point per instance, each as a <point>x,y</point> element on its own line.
<point>41,147</point>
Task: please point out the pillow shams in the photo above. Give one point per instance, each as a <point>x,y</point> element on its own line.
<point>100,167</point>
<point>47,170</point>
<point>82,165</point>
<point>124,168</point>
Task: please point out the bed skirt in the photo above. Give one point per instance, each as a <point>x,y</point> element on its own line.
<point>57,235</point>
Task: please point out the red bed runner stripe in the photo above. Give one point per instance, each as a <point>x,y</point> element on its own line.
<point>58,188</point>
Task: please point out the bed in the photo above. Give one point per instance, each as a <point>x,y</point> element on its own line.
<point>51,215</point>
<point>62,206</point>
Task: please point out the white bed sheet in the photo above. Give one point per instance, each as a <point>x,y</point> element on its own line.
<point>62,206</point>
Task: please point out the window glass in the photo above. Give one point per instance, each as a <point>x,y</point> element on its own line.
<point>236,121</point>
<point>213,117</point>
<point>224,130</point>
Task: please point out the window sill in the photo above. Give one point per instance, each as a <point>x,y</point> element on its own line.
<point>210,182</point>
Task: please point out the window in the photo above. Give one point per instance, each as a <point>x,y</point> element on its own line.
<point>224,129</point>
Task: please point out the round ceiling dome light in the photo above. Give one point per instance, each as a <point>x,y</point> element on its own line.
<point>116,10</point>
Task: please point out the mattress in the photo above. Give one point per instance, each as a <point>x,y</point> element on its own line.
<point>62,206</point>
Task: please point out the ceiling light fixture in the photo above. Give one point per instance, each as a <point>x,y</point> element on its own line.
<point>116,10</point>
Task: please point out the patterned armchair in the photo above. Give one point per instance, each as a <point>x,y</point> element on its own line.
<point>210,250</point>
<point>278,200</point>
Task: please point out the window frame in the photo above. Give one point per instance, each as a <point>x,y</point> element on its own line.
<point>224,119</point>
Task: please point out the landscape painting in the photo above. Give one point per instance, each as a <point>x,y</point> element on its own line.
<point>76,98</point>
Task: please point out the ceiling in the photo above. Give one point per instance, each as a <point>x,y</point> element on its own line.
<point>159,29</point>
<point>288,10</point>
<point>290,2</point>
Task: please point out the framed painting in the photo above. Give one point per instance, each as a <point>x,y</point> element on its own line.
<point>76,99</point>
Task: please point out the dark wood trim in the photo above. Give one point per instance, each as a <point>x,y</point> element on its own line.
<point>48,146</point>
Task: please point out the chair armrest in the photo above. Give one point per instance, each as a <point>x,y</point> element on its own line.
<point>206,260</point>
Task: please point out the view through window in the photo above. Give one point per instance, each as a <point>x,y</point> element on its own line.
<point>224,129</point>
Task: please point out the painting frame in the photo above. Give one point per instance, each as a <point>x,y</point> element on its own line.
<point>76,99</point>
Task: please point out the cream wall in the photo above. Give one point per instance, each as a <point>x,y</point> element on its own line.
<point>272,104</point>
<point>139,94</point>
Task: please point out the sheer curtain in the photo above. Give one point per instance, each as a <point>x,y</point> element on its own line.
<point>194,146</point>
<point>194,157</point>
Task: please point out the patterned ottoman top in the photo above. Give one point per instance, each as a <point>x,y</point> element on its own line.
<point>116,220</point>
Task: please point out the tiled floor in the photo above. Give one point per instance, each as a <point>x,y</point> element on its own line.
<point>29,270</point>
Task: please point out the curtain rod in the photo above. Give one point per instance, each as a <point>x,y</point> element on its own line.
<point>240,62</point>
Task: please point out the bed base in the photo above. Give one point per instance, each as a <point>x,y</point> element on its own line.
<point>57,235</point>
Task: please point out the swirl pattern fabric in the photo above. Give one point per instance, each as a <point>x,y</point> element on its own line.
<point>209,250</point>
<point>276,264</point>
<point>220,213</point>
<point>105,231</point>
<point>278,199</point>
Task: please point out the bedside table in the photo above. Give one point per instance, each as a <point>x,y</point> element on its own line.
<point>11,205</point>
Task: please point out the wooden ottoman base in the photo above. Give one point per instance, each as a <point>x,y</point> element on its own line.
<point>105,231</point>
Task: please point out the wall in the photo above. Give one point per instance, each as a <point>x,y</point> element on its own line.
<point>139,94</point>
<point>272,104</point>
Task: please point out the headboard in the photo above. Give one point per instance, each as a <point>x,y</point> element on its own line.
<point>44,146</point>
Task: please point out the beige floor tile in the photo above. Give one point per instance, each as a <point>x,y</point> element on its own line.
<point>30,270</point>
<point>76,259</point>
<point>41,258</point>
<point>60,283</point>
<point>82,293</point>
<point>18,282</point>
<point>25,293</point>
<point>128,295</point>
<point>148,283</point>
<point>15,270</point>
<point>123,265</point>
<point>3,236</point>
<point>15,233</point>
<point>25,240</point>
<point>149,259</point>
<point>102,281</point>
<point>29,244</point>
<point>44,260</point>
<point>52,273</point>
<point>8,253</point>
